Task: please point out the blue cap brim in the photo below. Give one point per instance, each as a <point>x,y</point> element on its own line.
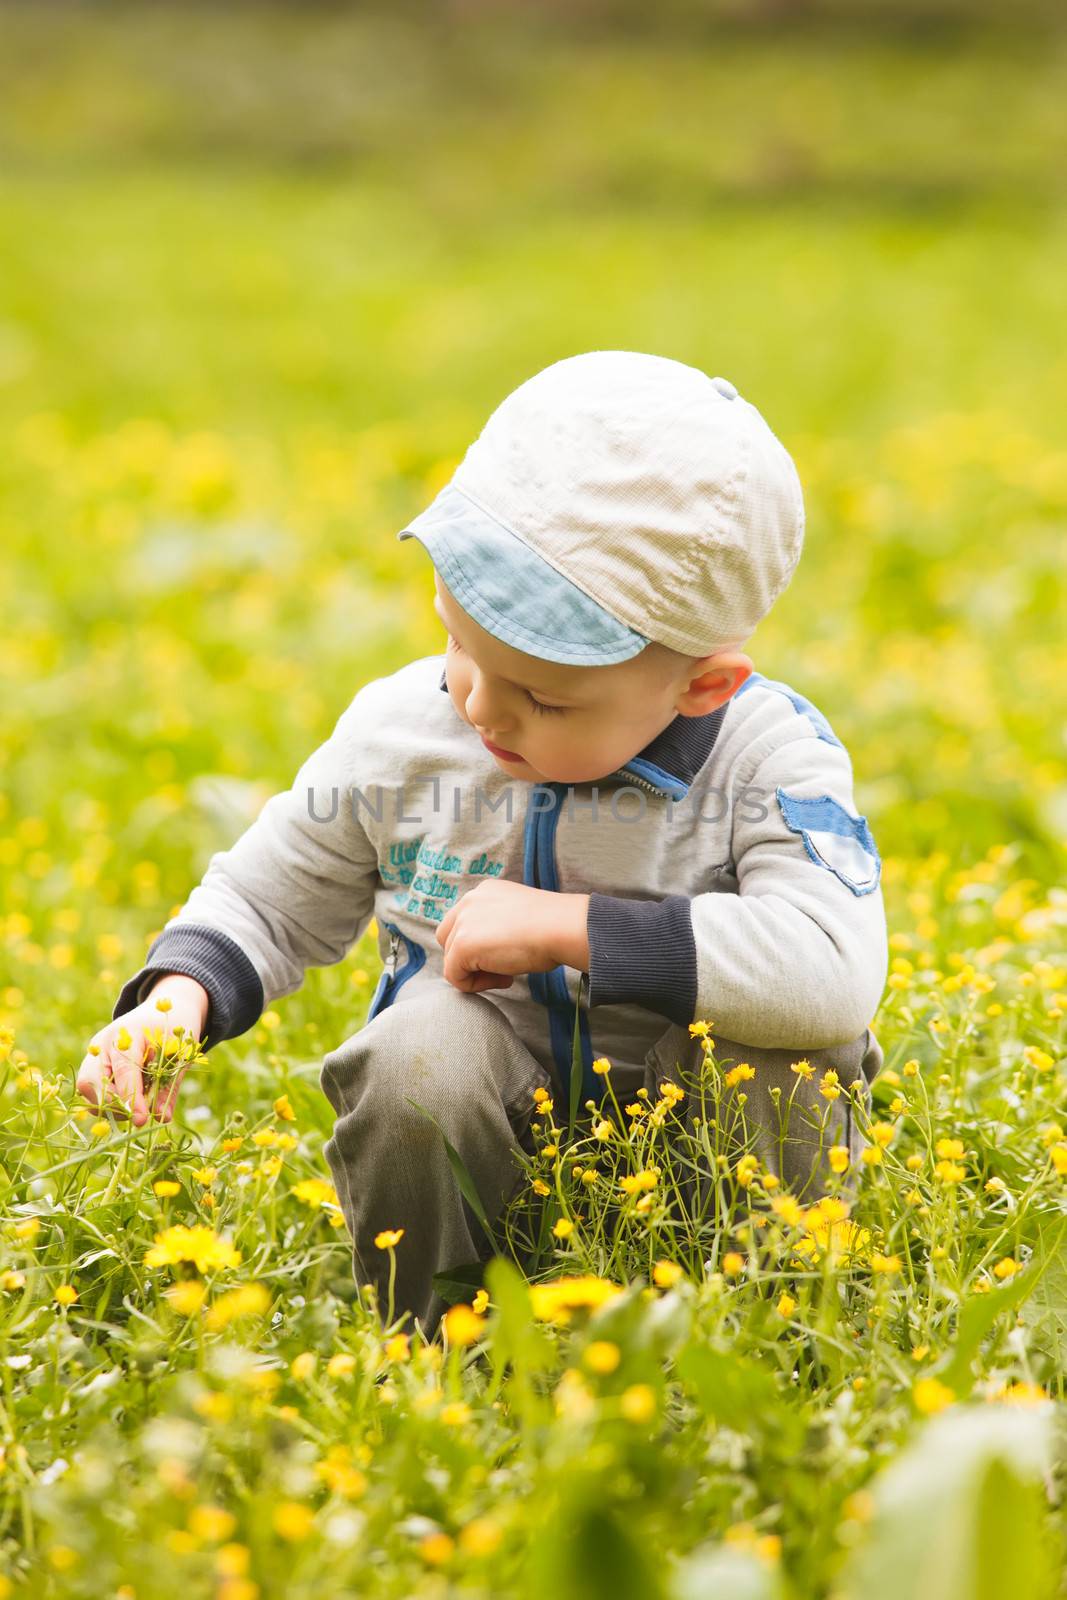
<point>514,593</point>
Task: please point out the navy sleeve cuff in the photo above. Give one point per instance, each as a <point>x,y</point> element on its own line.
<point>214,960</point>
<point>642,952</point>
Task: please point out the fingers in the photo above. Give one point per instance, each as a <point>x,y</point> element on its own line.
<point>92,1075</point>
<point>125,1062</point>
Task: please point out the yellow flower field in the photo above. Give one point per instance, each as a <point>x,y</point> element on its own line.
<point>265,274</point>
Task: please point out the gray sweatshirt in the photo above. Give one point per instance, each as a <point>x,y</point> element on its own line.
<point>730,877</point>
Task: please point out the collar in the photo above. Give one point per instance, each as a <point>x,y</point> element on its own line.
<point>669,762</point>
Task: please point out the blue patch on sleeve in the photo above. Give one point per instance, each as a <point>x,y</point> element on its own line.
<point>834,838</point>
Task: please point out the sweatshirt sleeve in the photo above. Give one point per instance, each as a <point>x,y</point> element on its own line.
<point>296,890</point>
<point>798,957</point>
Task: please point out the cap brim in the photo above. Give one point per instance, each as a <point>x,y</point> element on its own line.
<point>514,593</point>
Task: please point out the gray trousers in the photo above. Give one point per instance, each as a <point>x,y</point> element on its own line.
<point>460,1059</point>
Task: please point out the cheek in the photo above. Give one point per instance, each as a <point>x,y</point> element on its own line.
<point>458,681</point>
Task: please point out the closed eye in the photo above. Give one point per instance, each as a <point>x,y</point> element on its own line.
<point>540,707</point>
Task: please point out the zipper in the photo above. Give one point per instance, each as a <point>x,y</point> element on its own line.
<point>394,975</point>
<point>550,988</point>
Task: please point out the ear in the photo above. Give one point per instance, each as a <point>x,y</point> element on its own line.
<point>712,680</point>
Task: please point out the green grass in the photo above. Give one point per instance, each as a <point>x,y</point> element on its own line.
<point>265,275</point>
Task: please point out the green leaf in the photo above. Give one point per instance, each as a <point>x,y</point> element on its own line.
<point>459,1283</point>
<point>463,1177</point>
<point>718,1570</point>
<point>960,1512</point>
<point>979,1314</point>
<point>1045,1310</point>
<point>518,1339</point>
<point>593,1555</point>
<point>736,1392</point>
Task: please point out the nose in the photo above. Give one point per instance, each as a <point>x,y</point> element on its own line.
<point>487,705</point>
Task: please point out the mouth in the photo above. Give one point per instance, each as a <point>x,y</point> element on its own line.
<point>496,750</point>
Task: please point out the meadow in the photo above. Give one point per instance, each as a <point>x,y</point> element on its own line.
<point>264,276</point>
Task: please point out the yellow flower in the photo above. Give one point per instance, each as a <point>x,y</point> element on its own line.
<point>803,1069</point>
<point>12,1279</point>
<point>603,1130</point>
<point>1058,1156</point>
<point>746,1170</point>
<point>480,1537</point>
<point>671,1092</point>
<point>788,1209</point>
<point>829,1228</point>
<point>1025,1394</point>
<point>283,1108</point>
<point>455,1414</point>
<point>950,1149</point>
<point>638,1403</point>
<point>829,1085</point>
<point>480,1302</point>
<point>885,1264</point>
<point>700,1030</point>
<point>602,1356</point>
<point>292,1521</point>
<point>882,1133</point>
<point>636,1182</point>
<point>563,1228</point>
<point>1006,1268</point>
<point>66,1294</point>
<point>739,1074</point>
<point>315,1192</point>
<point>839,1157</point>
<point>436,1548</point>
<point>248,1300</point>
<point>665,1274</point>
<point>389,1238</point>
<point>786,1306</point>
<point>100,1130</point>
<point>871,1156</point>
<point>211,1523</point>
<point>205,1175</point>
<point>910,1068</point>
<point>343,1364</point>
<point>232,1144</point>
<point>539,1186</point>
<point>163,1004</point>
<point>303,1365</point>
<point>931,1396</point>
<point>202,1246</point>
<point>398,1347</point>
<point>1040,1060</point>
<point>601,1066</point>
<point>166,1186</point>
<point>265,1138</point>
<point>554,1301</point>
<point>733,1262</point>
<point>950,1171</point>
<point>186,1296</point>
<point>463,1325</point>
<point>914,1162</point>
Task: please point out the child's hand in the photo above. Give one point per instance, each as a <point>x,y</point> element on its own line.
<point>113,1074</point>
<point>501,929</point>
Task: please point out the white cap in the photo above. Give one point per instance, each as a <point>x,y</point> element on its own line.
<point>651,490</point>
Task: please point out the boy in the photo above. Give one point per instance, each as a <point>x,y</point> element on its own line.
<point>595,781</point>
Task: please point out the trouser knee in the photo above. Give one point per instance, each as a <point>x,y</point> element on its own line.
<point>787,1107</point>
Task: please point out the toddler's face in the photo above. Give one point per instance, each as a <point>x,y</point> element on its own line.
<point>548,723</point>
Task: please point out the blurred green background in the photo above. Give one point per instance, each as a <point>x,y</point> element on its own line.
<point>266,271</point>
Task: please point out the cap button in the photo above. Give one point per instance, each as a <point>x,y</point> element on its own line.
<point>725,388</point>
